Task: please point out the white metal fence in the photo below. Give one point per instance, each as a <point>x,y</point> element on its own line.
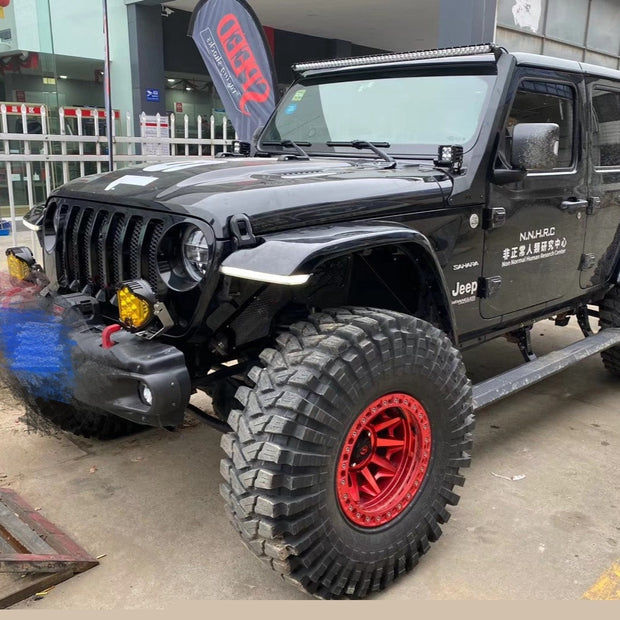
<point>40,150</point>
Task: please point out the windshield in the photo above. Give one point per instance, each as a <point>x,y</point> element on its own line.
<point>414,114</point>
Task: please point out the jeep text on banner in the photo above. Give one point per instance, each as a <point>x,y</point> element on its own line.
<point>235,50</point>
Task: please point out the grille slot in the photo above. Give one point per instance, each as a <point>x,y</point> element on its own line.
<point>99,247</point>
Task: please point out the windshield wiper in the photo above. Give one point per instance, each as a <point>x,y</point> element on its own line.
<point>373,146</point>
<point>290,144</point>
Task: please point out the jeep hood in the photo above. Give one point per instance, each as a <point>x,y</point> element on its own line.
<point>275,194</point>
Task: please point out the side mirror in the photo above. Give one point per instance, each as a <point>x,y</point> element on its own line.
<point>535,146</point>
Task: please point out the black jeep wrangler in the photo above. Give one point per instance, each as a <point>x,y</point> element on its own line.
<point>395,210</point>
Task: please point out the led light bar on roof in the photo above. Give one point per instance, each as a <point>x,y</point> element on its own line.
<point>467,50</point>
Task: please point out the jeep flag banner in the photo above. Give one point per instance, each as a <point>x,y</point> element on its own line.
<point>233,45</point>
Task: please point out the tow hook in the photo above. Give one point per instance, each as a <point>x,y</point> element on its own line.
<point>106,336</point>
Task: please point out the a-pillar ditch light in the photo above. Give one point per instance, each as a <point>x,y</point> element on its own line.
<point>450,156</point>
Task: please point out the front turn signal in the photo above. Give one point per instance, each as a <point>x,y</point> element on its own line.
<point>136,302</point>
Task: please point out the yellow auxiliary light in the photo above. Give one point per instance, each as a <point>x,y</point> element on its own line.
<point>136,302</point>
<point>20,262</point>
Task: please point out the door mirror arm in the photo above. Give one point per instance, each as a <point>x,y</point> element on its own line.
<point>503,176</point>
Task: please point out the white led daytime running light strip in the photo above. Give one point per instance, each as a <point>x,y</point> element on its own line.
<point>468,50</point>
<point>259,276</point>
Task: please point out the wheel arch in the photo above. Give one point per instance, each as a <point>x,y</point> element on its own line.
<point>400,258</point>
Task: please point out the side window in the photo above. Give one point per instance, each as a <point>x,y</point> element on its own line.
<point>606,127</point>
<point>545,102</point>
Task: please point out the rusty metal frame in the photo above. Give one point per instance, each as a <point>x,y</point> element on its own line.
<point>66,554</point>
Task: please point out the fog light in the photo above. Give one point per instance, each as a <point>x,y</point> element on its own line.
<point>136,302</point>
<point>20,262</point>
<point>145,394</point>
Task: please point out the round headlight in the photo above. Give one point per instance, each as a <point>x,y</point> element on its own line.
<point>196,253</point>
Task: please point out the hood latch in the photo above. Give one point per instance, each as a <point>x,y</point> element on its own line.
<point>241,230</point>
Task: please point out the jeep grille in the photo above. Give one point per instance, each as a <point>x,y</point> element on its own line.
<point>99,246</point>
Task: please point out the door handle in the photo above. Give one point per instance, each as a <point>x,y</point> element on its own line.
<point>573,206</point>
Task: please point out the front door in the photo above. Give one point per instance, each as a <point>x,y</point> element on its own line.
<point>536,248</point>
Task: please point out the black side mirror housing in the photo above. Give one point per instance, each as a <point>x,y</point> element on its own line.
<point>535,146</point>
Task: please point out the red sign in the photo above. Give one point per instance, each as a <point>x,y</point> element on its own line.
<point>20,95</point>
<point>31,110</point>
<point>178,106</point>
<point>88,112</point>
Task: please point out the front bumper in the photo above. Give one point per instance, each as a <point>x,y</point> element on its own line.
<point>52,352</point>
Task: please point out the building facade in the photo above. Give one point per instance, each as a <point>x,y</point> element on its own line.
<point>52,51</point>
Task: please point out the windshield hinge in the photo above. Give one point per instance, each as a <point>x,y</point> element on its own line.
<point>241,230</point>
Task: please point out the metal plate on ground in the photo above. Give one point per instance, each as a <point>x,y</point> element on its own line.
<point>34,553</point>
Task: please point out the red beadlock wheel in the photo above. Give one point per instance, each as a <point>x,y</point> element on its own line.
<point>384,460</point>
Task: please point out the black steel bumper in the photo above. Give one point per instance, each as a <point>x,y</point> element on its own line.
<point>58,355</point>
<point>110,379</point>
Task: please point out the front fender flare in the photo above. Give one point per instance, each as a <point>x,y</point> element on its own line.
<point>289,258</point>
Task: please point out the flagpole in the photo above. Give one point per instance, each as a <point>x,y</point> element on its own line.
<point>106,85</point>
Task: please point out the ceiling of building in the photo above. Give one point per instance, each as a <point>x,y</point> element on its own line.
<point>397,25</point>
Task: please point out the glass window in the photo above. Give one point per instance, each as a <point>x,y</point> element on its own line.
<point>606,130</point>
<point>566,20</point>
<point>604,26</point>
<point>526,15</point>
<point>544,102</point>
<point>414,114</point>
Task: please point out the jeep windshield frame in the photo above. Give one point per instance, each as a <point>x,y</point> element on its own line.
<point>414,111</point>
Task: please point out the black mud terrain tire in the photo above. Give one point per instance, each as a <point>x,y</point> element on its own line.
<point>333,405</point>
<point>79,421</point>
<point>609,316</point>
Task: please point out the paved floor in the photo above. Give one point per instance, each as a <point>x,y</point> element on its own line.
<point>150,503</point>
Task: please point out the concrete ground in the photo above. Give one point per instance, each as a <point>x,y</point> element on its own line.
<point>150,502</point>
